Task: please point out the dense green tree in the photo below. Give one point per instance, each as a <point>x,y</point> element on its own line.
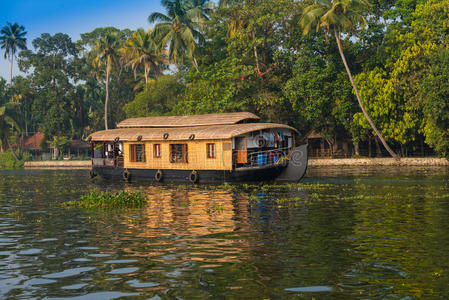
<point>333,17</point>
<point>24,94</point>
<point>52,72</point>
<point>8,121</point>
<point>4,91</point>
<point>391,91</point>
<point>158,99</point>
<point>435,88</point>
<point>12,38</point>
<point>232,79</point>
<point>89,39</point>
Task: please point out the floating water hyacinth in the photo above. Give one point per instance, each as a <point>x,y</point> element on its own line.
<point>98,199</point>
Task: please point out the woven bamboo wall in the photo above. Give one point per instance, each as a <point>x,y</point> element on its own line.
<point>197,156</point>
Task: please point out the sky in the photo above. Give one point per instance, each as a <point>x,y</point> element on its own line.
<point>72,17</point>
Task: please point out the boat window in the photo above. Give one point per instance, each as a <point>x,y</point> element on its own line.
<point>241,143</point>
<point>137,153</point>
<point>178,153</point>
<point>98,151</point>
<point>157,150</point>
<point>210,148</point>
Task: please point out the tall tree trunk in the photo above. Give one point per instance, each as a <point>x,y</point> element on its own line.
<point>55,153</point>
<point>378,150</point>
<point>422,146</point>
<point>356,148</point>
<point>340,49</point>
<point>331,148</point>
<point>82,121</point>
<point>369,146</point>
<point>11,149</point>
<point>26,124</point>
<point>146,76</point>
<point>256,56</point>
<point>10,74</point>
<point>107,98</point>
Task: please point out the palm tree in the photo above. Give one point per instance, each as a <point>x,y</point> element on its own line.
<point>7,120</point>
<point>12,37</point>
<point>104,54</point>
<point>140,50</point>
<point>200,10</point>
<point>334,16</point>
<point>179,29</point>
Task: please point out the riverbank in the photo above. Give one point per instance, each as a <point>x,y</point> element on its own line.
<point>407,161</point>
<point>58,164</point>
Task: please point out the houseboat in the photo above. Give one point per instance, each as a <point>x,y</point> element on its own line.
<point>201,148</point>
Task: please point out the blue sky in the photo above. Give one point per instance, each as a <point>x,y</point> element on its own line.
<point>73,17</point>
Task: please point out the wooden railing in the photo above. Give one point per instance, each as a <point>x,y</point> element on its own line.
<point>109,162</point>
<point>247,158</point>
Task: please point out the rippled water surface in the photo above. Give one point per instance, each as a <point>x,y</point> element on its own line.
<point>339,234</point>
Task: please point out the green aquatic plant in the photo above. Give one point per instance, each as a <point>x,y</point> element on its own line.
<point>98,199</point>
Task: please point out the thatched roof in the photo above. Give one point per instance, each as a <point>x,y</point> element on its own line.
<point>33,142</point>
<point>184,121</point>
<point>183,133</point>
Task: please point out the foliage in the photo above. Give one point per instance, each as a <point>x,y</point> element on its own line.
<point>435,87</point>
<point>8,117</point>
<point>97,199</point>
<point>7,161</point>
<point>321,96</point>
<point>141,51</point>
<point>59,142</point>
<point>180,28</point>
<point>334,17</point>
<point>392,93</point>
<point>158,98</point>
<point>51,64</point>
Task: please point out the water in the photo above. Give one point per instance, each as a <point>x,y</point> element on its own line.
<point>342,233</point>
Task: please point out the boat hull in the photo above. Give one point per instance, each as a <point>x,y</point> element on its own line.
<point>203,176</point>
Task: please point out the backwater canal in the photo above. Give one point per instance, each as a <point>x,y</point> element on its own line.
<point>370,233</point>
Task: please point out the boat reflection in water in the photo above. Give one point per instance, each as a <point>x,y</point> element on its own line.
<point>211,225</point>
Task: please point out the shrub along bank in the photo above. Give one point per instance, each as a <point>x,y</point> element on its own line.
<point>7,161</point>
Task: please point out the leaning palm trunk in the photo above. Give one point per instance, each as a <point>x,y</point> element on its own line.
<point>11,149</point>
<point>340,49</point>
<point>195,63</point>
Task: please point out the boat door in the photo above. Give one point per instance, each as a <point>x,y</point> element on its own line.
<point>241,147</point>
